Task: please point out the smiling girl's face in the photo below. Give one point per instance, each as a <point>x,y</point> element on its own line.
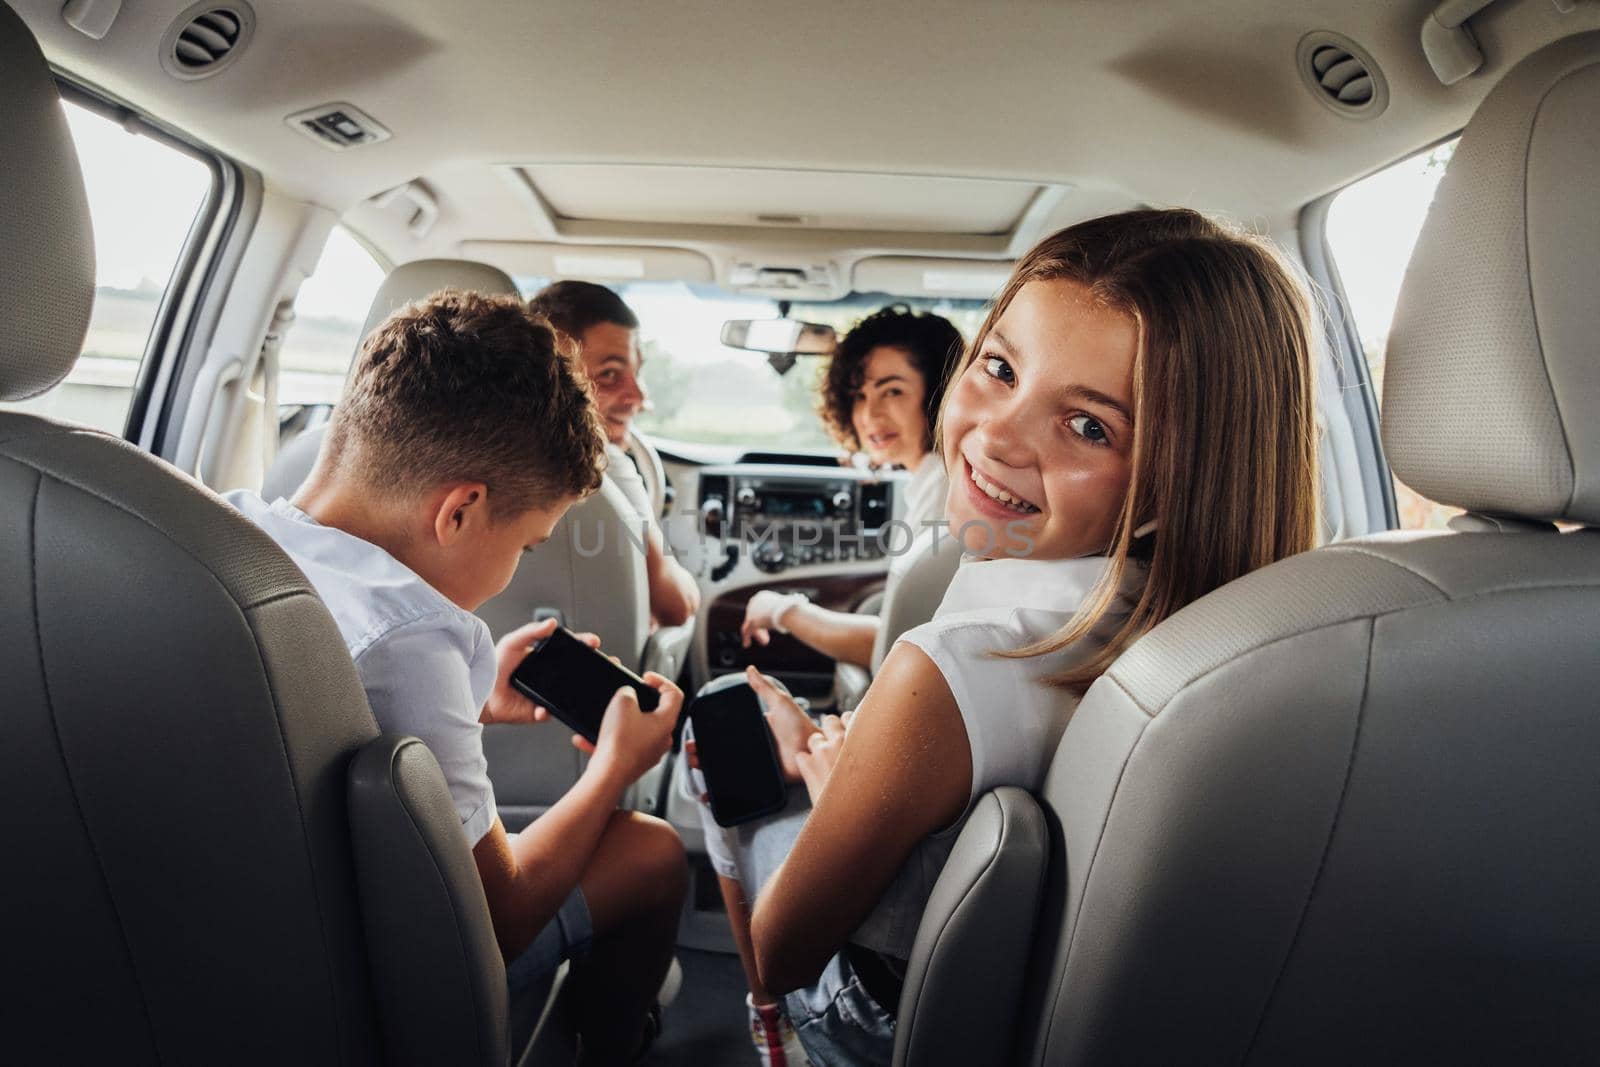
<point>1038,429</point>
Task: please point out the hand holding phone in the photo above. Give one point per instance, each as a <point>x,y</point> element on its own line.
<point>633,740</point>
<point>576,683</point>
<point>735,754</point>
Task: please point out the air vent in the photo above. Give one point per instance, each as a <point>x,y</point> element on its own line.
<point>206,38</point>
<point>1342,75</point>
<point>339,126</point>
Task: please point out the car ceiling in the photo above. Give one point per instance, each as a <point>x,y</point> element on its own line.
<point>1067,108</point>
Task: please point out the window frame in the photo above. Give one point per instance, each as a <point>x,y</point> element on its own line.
<point>173,328</point>
<point>1323,267</point>
<point>385,267</point>
<point>1355,385</point>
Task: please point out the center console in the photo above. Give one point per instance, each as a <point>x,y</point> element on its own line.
<point>785,517</point>
<point>827,532</point>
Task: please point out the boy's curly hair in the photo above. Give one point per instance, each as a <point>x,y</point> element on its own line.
<point>463,386</point>
<point>933,344</point>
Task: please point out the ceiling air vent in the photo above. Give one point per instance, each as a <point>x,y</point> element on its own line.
<point>1342,75</point>
<point>206,38</point>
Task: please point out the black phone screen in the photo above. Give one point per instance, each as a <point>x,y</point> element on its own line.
<point>576,682</point>
<point>736,755</point>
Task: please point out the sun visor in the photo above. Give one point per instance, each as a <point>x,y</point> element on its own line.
<point>965,279</point>
<point>601,263</point>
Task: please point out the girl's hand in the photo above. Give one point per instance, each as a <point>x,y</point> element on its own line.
<point>505,704</point>
<point>792,729</point>
<point>822,752</point>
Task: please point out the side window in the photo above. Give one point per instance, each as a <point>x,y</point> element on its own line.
<point>328,312</point>
<point>1372,227</point>
<point>144,196</point>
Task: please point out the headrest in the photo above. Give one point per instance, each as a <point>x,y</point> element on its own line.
<point>1493,376</point>
<point>47,270</point>
<point>422,277</point>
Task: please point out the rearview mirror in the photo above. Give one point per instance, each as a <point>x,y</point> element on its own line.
<point>779,336</point>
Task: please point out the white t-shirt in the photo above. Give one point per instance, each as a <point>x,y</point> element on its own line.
<point>620,469</point>
<point>924,495</point>
<point>925,492</point>
<point>1014,720</point>
<point>427,665</point>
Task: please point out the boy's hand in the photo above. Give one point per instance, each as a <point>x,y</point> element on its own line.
<point>505,704</point>
<point>631,740</point>
<point>792,729</point>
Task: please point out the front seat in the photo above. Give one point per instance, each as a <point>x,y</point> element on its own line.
<point>192,876</point>
<point>1346,809</point>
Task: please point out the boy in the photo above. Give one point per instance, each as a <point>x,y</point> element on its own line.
<point>606,333</point>
<point>464,437</point>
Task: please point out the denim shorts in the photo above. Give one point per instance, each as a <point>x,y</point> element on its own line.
<point>565,937</point>
<point>837,1020</point>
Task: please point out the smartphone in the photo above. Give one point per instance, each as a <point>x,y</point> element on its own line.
<point>737,756</point>
<point>576,682</point>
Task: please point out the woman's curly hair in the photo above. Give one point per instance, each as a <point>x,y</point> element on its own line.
<point>933,344</point>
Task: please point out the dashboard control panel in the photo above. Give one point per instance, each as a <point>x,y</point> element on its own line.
<point>784,517</point>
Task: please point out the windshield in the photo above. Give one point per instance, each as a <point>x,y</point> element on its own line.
<point>703,392</point>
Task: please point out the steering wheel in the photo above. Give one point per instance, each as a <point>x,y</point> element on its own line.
<point>648,460</point>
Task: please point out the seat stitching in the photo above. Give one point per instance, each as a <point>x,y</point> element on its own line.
<point>66,765</point>
<point>1113,680</point>
<point>150,523</point>
<point>1358,550</point>
<point>305,833</point>
<point>1527,273</point>
<point>1327,847</point>
<point>444,884</point>
<point>1088,875</point>
<point>989,863</point>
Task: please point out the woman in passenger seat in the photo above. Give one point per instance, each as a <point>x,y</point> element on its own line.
<point>1132,428</point>
<point>881,396</point>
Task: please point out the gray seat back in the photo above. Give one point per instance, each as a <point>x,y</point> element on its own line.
<point>962,993</point>
<point>912,598</point>
<point>1345,810</point>
<point>592,576</point>
<point>177,719</point>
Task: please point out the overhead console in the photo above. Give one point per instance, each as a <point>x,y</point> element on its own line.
<point>788,516</point>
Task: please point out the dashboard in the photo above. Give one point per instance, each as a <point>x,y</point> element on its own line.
<point>825,531</point>
<point>785,517</point>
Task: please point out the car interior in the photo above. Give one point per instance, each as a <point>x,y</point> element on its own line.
<point>1343,809</point>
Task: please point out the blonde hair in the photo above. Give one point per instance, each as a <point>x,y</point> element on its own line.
<point>1224,444</point>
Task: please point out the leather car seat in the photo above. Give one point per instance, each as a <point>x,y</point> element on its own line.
<point>191,874</point>
<point>1345,810</point>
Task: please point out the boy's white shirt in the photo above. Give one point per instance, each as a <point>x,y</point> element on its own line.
<point>427,665</point>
